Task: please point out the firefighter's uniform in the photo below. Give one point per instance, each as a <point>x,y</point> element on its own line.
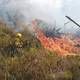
<point>18,40</point>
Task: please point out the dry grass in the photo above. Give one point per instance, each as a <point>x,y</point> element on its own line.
<point>33,62</point>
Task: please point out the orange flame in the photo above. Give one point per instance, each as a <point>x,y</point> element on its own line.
<point>62,46</point>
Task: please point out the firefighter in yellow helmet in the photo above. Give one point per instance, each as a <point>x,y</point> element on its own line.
<point>18,40</point>
<point>19,35</point>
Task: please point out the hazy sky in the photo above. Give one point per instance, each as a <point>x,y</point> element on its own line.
<point>48,10</point>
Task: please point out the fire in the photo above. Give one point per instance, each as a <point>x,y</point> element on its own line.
<point>62,46</point>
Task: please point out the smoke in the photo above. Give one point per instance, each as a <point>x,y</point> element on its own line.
<point>46,10</point>
<point>27,10</point>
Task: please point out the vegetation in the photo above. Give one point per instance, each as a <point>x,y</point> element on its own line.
<point>32,61</point>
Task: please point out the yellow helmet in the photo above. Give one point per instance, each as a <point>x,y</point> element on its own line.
<point>18,35</point>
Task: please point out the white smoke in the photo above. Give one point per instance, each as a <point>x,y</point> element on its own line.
<point>46,10</point>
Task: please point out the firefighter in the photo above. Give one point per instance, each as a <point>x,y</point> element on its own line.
<point>18,40</point>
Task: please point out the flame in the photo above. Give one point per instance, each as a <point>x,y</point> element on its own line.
<point>62,46</point>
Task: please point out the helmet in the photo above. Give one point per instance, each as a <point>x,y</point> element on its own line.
<point>19,35</point>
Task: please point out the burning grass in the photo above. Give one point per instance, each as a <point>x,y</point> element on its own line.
<point>36,62</point>
<point>62,45</point>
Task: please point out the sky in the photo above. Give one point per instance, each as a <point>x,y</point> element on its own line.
<point>48,10</point>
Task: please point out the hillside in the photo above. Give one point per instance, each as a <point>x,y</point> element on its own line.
<point>32,61</point>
